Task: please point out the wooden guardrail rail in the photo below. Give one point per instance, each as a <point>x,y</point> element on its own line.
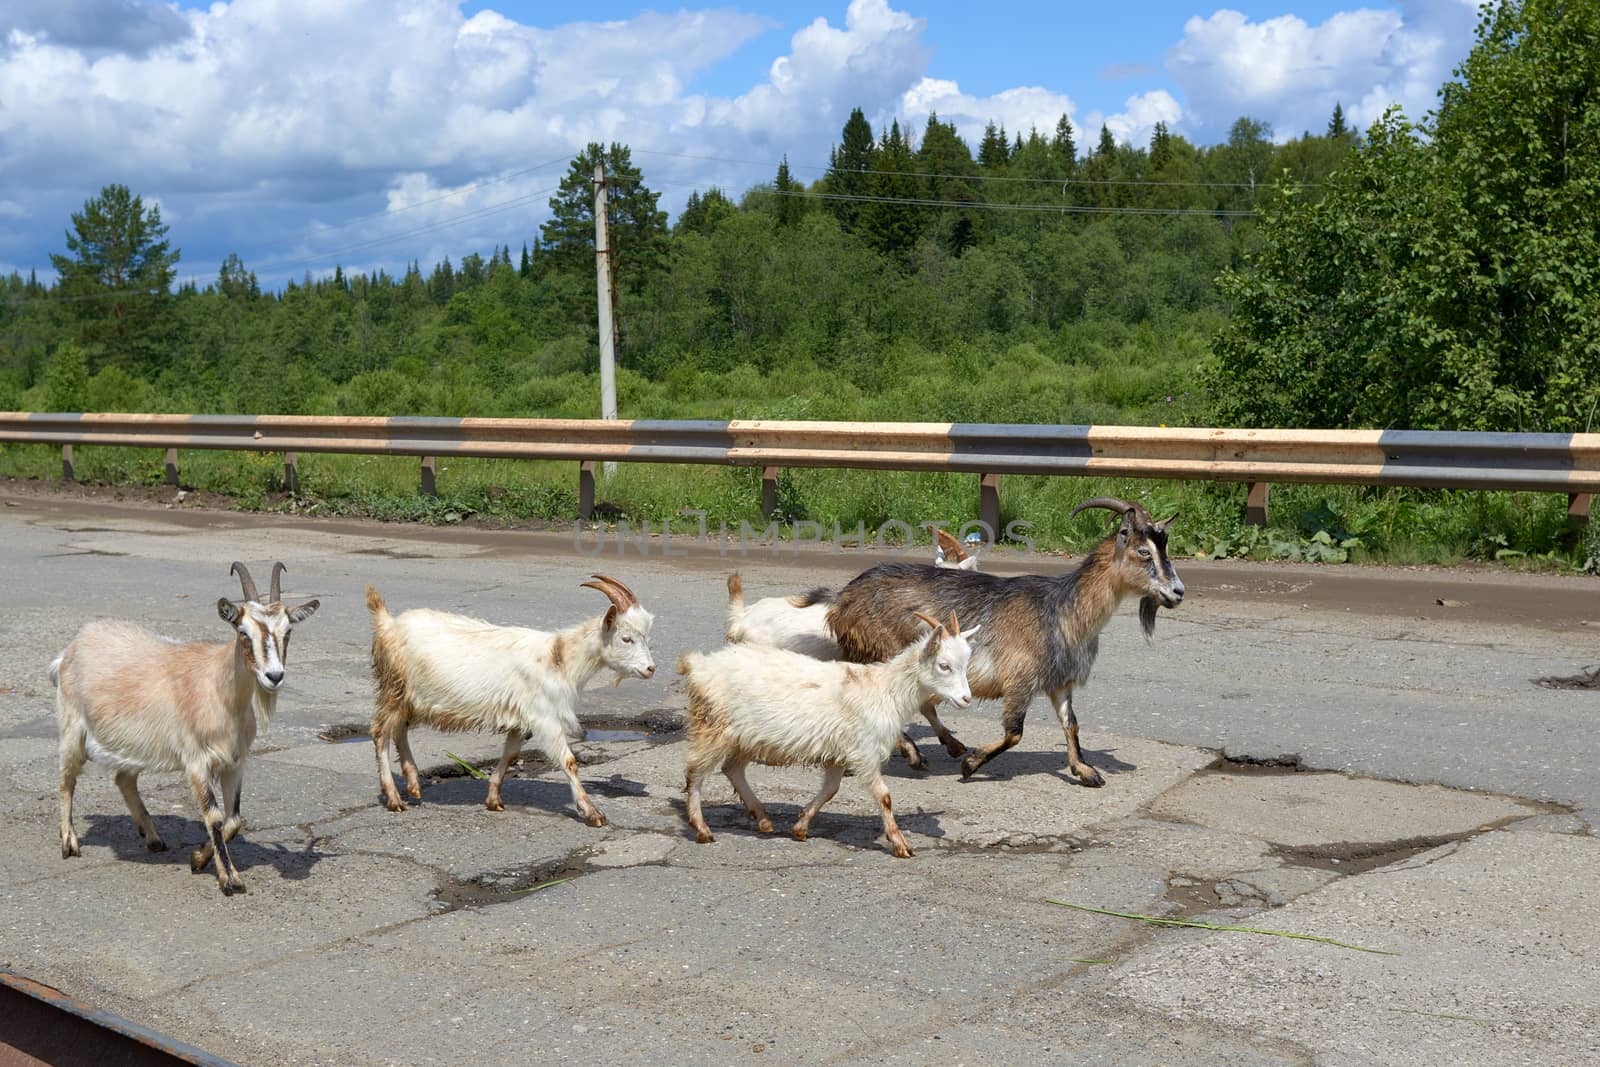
<point>1553,463</point>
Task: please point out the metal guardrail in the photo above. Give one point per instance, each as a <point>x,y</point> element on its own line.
<point>41,1024</point>
<point>1555,463</point>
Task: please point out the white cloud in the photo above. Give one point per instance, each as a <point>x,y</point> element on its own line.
<point>1018,110</point>
<point>1290,73</point>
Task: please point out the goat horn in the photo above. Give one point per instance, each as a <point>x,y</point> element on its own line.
<point>950,546</point>
<point>1111,503</point>
<point>955,627</point>
<point>935,623</point>
<point>246,583</point>
<point>618,597</point>
<point>626,591</point>
<point>276,597</point>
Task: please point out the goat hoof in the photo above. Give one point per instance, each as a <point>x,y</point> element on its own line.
<point>703,837</point>
<point>955,748</point>
<point>901,851</point>
<point>395,805</point>
<point>157,845</point>
<point>800,833</point>
<point>238,886</point>
<point>494,805</point>
<point>69,849</point>
<point>968,766</point>
<point>594,818</point>
<point>227,890</point>
<point>764,826</point>
<point>1093,779</point>
<point>414,792</point>
<point>198,861</point>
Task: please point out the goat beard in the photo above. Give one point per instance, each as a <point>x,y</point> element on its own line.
<point>1147,614</point>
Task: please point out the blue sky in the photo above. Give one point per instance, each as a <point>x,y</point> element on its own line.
<point>300,133</point>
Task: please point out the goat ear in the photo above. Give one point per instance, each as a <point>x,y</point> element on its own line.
<point>228,610</point>
<point>969,632</point>
<point>304,611</point>
<point>1164,523</point>
<point>1125,531</point>
<point>610,621</point>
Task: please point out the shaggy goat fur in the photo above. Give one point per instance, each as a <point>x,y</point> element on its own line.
<point>453,672</point>
<point>1040,634</point>
<point>752,704</point>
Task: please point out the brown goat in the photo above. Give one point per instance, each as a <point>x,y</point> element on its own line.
<point>1039,634</point>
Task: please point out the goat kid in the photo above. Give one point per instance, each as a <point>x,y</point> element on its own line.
<point>452,673</point>
<point>799,623</point>
<point>140,702</point>
<point>753,704</point>
<point>1041,634</point>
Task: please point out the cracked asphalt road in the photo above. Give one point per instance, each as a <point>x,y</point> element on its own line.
<point>1442,811</point>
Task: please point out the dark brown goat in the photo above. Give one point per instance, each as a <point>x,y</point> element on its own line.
<point>1039,634</point>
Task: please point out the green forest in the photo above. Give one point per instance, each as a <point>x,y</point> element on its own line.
<point>1437,274</point>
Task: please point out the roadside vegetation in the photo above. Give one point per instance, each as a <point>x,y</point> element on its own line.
<point>1437,275</point>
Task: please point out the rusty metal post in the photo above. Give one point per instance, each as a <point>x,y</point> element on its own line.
<point>586,489</point>
<point>1577,514</point>
<point>427,486</point>
<point>291,473</point>
<point>66,463</point>
<point>172,466</point>
<point>1255,506</point>
<point>769,491</point>
<point>989,506</point>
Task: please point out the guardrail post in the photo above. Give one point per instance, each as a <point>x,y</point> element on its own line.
<point>1255,506</point>
<point>586,489</point>
<point>66,463</point>
<point>1578,511</point>
<point>769,491</point>
<point>291,473</point>
<point>989,505</point>
<point>427,486</point>
<point>172,466</point>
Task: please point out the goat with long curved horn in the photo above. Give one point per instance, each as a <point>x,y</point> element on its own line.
<point>1111,503</point>
<point>248,584</point>
<point>273,594</point>
<point>619,594</point>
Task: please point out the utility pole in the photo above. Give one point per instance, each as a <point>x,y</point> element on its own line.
<point>602,267</point>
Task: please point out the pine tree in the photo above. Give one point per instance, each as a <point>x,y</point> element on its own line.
<point>848,165</point>
<point>119,274</point>
<point>993,151</point>
<point>1336,126</point>
<point>1065,148</point>
<point>791,202</point>
<point>636,227</point>
<point>891,227</point>
<point>1160,148</point>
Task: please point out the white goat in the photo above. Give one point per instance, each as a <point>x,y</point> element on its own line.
<point>752,704</point>
<point>141,702</point>
<point>799,623</point>
<point>452,672</point>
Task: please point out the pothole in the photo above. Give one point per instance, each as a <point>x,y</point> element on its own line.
<point>344,733</point>
<point>1359,857</point>
<point>1588,678</point>
<point>501,887</point>
<point>1288,763</point>
<point>656,724</point>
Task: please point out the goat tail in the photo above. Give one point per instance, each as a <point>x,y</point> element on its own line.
<point>734,630</point>
<point>55,670</point>
<point>375,604</point>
